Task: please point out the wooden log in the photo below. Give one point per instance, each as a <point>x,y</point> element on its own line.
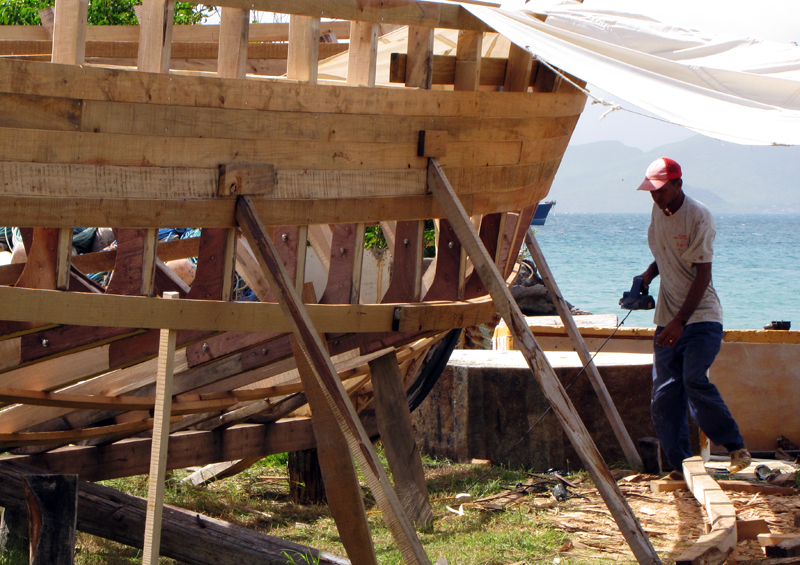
<point>335,396</point>
<point>624,439</point>
<point>552,388</point>
<point>52,504</point>
<point>306,485</point>
<point>186,536</point>
<point>397,434</point>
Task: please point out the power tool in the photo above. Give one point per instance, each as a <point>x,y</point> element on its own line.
<point>637,298</point>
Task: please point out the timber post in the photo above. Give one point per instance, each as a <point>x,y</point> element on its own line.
<point>52,516</point>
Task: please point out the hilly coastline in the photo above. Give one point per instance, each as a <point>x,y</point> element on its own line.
<point>602,177</point>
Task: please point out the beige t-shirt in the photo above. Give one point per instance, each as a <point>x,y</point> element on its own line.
<point>677,242</point>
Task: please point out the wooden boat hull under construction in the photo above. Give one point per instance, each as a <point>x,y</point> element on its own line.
<point>142,150</point>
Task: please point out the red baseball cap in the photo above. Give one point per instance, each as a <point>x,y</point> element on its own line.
<point>659,173</point>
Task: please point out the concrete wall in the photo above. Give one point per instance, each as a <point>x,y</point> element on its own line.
<point>484,403</point>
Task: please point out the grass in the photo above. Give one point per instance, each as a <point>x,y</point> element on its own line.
<point>258,498</point>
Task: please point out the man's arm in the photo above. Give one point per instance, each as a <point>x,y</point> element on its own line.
<point>650,274</point>
<point>672,331</point>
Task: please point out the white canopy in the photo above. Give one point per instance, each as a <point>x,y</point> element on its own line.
<point>742,90</point>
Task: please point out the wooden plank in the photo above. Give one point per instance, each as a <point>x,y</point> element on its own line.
<point>158,454</point>
<point>63,255</point>
<point>259,32</point>
<point>304,32</point>
<point>362,54</point>
<point>447,274</point>
<point>155,38</point>
<point>19,439</point>
<point>750,529</point>
<point>233,39</point>
<point>342,264</point>
<point>209,316</point>
<point>714,547</point>
<point>210,92</point>
<point>242,178</point>
<point>132,277</point>
<point>419,69</point>
<point>405,285</point>
<point>621,433</point>
<point>552,388</point>
<point>338,472</point>
<point>358,442</point>
<point>400,447</point>
<point>430,14</point>
<point>468,67</point>
<point>214,265</point>
<point>69,32</point>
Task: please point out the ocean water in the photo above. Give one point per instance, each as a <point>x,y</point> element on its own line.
<point>756,267</point>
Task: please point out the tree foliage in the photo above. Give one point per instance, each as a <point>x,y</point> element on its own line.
<point>101,12</point>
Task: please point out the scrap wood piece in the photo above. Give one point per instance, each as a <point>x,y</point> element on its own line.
<point>543,372</point>
<point>323,371</point>
<point>714,547</point>
<point>667,485</point>
<point>186,536</point>
<point>219,471</point>
<point>786,548</point>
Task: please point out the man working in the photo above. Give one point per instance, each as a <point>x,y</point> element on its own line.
<point>688,317</point>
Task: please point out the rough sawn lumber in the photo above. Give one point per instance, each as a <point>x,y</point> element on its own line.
<point>186,536</point>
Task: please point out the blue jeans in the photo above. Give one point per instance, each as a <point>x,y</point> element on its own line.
<point>679,380</point>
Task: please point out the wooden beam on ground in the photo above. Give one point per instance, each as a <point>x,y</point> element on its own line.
<point>551,386</point>
<point>624,439</point>
<point>309,341</point>
<point>158,455</point>
<point>400,446</point>
<point>714,547</point>
<point>187,536</point>
<point>219,471</point>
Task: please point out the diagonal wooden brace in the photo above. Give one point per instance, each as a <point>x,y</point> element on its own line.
<point>324,372</point>
<point>542,370</point>
<point>583,352</point>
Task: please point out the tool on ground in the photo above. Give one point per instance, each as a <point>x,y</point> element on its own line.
<point>637,298</point>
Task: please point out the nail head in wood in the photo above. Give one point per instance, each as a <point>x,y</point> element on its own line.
<point>243,178</point>
<point>432,144</point>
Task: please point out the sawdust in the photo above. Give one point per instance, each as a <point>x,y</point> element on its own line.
<point>673,520</point>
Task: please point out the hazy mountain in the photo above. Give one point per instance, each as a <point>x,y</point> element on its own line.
<point>728,178</point>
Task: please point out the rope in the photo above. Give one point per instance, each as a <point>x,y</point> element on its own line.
<point>540,418</point>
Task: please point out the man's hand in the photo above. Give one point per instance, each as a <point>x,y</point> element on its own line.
<point>648,276</point>
<point>671,333</point>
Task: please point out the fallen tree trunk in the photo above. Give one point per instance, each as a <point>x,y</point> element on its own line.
<point>186,536</point>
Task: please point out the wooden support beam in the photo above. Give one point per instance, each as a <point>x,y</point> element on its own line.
<point>358,442</point>
<point>624,439</point>
<point>338,472</point>
<point>158,455</point>
<point>69,32</point>
<point>551,386</point>
<point>155,38</point>
<point>363,54</point>
<point>468,60</point>
<point>400,446</point>
<point>52,504</point>
<point>233,38</point>
<point>303,59</point>
<point>419,69</point>
<point>518,72</point>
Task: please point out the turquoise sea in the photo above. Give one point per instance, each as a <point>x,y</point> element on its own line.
<point>756,266</point>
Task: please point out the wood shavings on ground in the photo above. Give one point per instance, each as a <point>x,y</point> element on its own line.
<point>672,520</point>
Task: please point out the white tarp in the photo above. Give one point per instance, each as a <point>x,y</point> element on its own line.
<point>736,89</point>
